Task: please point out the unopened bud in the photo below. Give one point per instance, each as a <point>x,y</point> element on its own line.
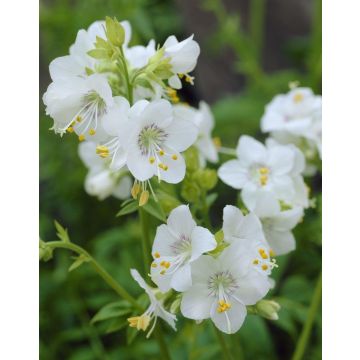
<point>268,309</point>
<point>45,253</point>
<point>192,159</point>
<point>190,191</point>
<point>206,178</point>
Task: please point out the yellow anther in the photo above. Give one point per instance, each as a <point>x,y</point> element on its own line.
<point>217,142</point>
<point>154,265</point>
<point>162,272</point>
<point>92,132</point>
<point>156,255</point>
<point>181,76</point>
<point>298,97</point>
<point>165,167</point>
<point>81,137</point>
<point>189,79</point>
<point>256,262</point>
<point>272,253</point>
<point>144,197</point>
<point>163,263</point>
<point>161,152</point>
<point>135,190</point>
<point>139,322</point>
<point>103,151</point>
<point>151,160</point>
<point>167,264</point>
<point>263,180</point>
<point>174,157</point>
<point>78,119</point>
<point>223,306</point>
<point>263,170</point>
<point>264,255</point>
<point>70,129</point>
<point>162,166</point>
<point>264,267</point>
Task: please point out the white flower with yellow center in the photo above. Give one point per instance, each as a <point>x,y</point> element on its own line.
<point>277,225</point>
<point>78,60</point>
<point>262,169</point>
<point>247,232</point>
<point>78,105</point>
<point>222,287</point>
<point>183,58</point>
<point>152,140</point>
<point>101,181</point>
<point>175,247</point>
<point>155,309</point>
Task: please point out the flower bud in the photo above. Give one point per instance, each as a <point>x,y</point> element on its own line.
<point>45,253</point>
<point>192,159</point>
<point>206,178</point>
<point>268,309</point>
<point>190,191</point>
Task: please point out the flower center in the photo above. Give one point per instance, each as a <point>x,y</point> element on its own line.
<point>262,261</point>
<point>298,98</point>
<point>86,119</point>
<point>181,246</point>
<point>222,284</point>
<point>260,174</point>
<point>151,138</point>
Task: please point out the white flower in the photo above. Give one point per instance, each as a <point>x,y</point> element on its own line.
<point>100,180</point>
<point>274,169</point>
<point>221,289</point>
<point>246,232</point>
<point>152,139</point>
<point>175,247</point>
<point>183,58</point>
<point>138,56</point>
<point>78,60</point>
<point>295,118</point>
<point>277,225</point>
<point>78,104</point>
<point>155,310</point>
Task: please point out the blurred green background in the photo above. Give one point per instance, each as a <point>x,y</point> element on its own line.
<point>250,51</point>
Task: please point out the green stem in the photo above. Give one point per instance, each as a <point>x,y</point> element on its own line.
<point>145,239</point>
<point>146,246</point>
<point>98,268</point>
<point>127,77</point>
<point>222,342</point>
<point>257,17</point>
<point>306,331</point>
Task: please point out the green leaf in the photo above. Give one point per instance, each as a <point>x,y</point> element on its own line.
<point>128,208</point>
<point>131,334</point>
<point>61,232</point>
<point>116,325</point>
<point>154,209</point>
<point>99,54</point>
<point>112,310</point>
<point>78,262</point>
<point>114,32</point>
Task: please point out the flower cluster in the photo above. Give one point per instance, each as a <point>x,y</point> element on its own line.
<point>121,99</point>
<point>122,103</point>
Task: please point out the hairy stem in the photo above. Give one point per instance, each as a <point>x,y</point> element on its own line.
<point>98,268</point>
<point>306,331</point>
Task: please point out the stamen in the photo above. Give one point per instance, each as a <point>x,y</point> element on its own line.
<point>264,267</point>
<point>154,265</point>
<point>103,151</point>
<point>156,255</point>
<point>174,157</point>
<point>70,129</point>
<point>78,119</point>
<point>298,97</point>
<point>92,132</point>
<point>151,160</point>
<point>223,306</point>
<point>81,137</point>
<point>161,152</point>
<point>144,197</point>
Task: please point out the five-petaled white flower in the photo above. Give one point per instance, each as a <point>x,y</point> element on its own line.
<point>79,104</point>
<point>155,310</point>
<point>101,181</point>
<point>151,141</point>
<point>274,169</point>
<point>183,58</point>
<point>221,289</point>
<point>277,225</point>
<point>175,247</point>
<point>295,118</point>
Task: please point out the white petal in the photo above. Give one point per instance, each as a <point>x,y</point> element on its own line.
<point>250,151</point>
<point>232,221</point>
<point>166,316</point>
<point>266,206</point>
<point>158,112</point>
<point>176,169</point>
<point>196,303</point>
<point>203,268</point>
<point>163,241</point>
<point>202,241</point>
<point>181,134</point>
<point>281,160</point>
<point>139,164</point>
<point>99,83</point>
<point>122,191</point>
<point>64,66</point>
<point>175,82</point>
<point>115,118</point>
<point>229,321</point>
<point>181,222</point>
<point>119,159</point>
<point>87,153</point>
<point>138,278</point>
<point>281,242</point>
<point>233,174</point>
<point>287,220</point>
<point>181,279</point>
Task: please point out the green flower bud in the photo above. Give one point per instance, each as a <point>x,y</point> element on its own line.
<point>268,309</point>
<point>190,191</point>
<point>114,32</point>
<point>192,159</point>
<point>175,306</point>
<point>45,253</point>
<point>206,178</point>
